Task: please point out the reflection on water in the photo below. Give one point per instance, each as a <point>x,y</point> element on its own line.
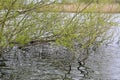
<point>101,65</point>
<point>106,64</point>
<point>31,63</point>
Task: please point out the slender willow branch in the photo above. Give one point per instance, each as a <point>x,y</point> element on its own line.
<point>14,33</point>
<point>5,18</point>
<point>20,12</point>
<point>35,7</point>
<point>77,12</point>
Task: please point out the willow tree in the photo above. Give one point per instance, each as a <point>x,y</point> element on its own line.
<point>21,24</point>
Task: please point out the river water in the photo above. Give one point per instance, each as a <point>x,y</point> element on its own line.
<point>103,65</point>
<point>106,64</point>
<point>106,61</point>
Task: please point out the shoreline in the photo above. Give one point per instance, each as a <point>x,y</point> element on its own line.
<point>78,8</point>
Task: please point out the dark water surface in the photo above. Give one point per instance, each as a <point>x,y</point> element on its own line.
<point>104,64</point>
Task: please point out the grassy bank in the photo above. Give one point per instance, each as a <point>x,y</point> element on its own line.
<point>69,7</point>
<point>73,8</point>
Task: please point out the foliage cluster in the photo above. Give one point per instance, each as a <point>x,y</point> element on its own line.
<point>24,26</point>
